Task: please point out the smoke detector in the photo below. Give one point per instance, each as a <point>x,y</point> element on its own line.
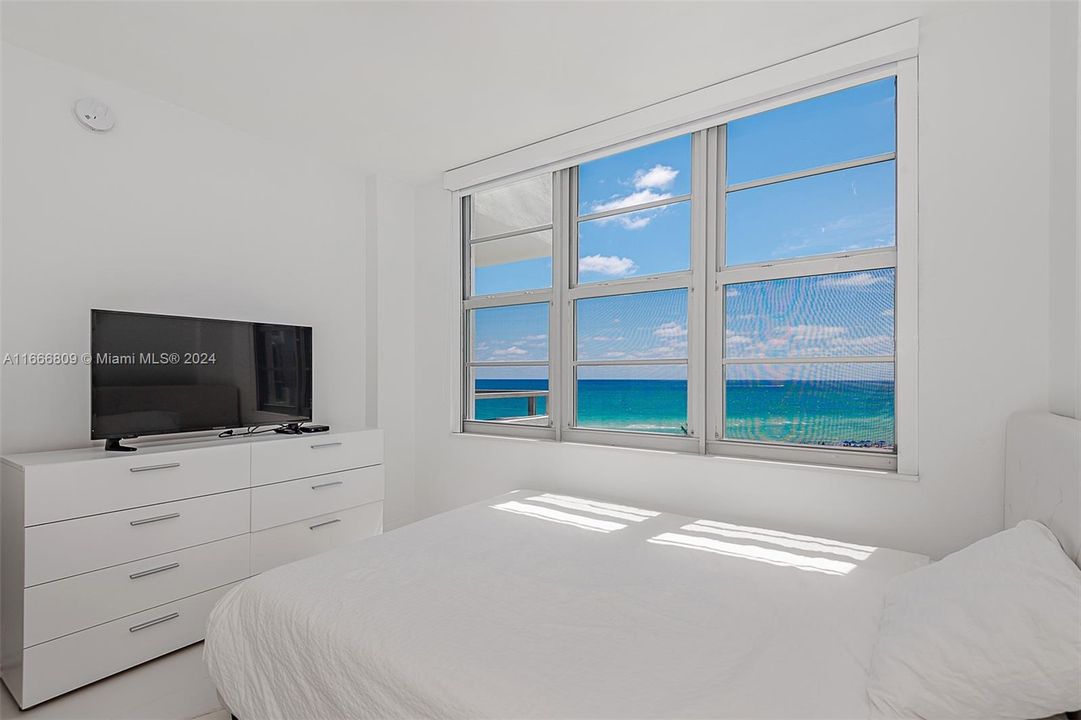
<point>94,114</point>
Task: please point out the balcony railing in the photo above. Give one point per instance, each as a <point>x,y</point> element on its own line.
<point>530,396</point>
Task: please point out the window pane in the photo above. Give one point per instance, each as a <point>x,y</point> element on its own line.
<point>639,398</point>
<point>835,212</point>
<point>831,404</point>
<point>645,174</point>
<point>514,332</point>
<point>516,394</point>
<point>639,326</point>
<point>518,206</point>
<point>844,125</point>
<point>519,262</point>
<point>845,314</point>
<point>646,242</point>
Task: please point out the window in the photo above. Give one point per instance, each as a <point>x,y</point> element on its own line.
<point>507,235</point>
<point>629,290</point>
<point>733,290</point>
<point>806,276</point>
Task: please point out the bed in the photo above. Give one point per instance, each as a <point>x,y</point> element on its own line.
<point>538,604</point>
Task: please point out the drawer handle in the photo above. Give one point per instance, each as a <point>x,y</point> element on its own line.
<point>157,518</point>
<point>154,571</point>
<point>152,623</point>
<point>324,523</point>
<point>164,466</point>
<point>323,445</point>
<point>327,484</point>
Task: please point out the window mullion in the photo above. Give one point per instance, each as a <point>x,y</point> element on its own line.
<point>510,234</point>
<point>635,286</point>
<point>567,280</point>
<point>634,361</point>
<point>556,319</point>
<point>466,395</point>
<point>526,297</point>
<point>877,259</point>
<point>698,292</point>
<point>636,208</point>
<point>906,287</point>
<point>715,224</point>
<point>812,172</point>
<point>810,360</point>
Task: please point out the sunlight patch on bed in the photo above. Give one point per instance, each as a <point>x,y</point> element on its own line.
<point>757,553</point>
<point>558,516</point>
<point>782,539</point>
<point>623,512</point>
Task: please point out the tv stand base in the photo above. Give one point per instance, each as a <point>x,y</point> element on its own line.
<point>113,445</point>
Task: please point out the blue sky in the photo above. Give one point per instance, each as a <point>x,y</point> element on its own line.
<point>853,123</point>
<point>850,314</point>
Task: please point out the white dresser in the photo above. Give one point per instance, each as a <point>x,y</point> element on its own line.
<point>112,559</point>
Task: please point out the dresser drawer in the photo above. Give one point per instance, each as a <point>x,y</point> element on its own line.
<point>314,454</point>
<point>286,543</point>
<point>58,491</point>
<point>55,667</point>
<point>62,549</point>
<point>76,603</point>
<point>285,502</point>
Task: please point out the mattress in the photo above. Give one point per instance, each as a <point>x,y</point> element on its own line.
<point>536,604</point>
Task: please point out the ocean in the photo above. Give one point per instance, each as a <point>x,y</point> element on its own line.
<point>833,413</point>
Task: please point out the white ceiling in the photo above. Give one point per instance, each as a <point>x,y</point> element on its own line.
<point>412,89</point>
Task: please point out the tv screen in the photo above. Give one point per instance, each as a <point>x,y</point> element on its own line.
<point>155,374</point>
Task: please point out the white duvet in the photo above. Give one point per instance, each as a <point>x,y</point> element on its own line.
<point>542,605</point>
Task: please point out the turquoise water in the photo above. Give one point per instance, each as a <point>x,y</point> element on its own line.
<point>836,413</point>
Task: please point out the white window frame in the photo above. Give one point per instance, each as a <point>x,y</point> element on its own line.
<point>843,66</point>
<point>684,279</point>
<point>471,302</point>
<point>881,258</point>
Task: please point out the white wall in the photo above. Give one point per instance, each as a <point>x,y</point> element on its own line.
<point>984,327</point>
<point>393,340</point>
<point>170,212</point>
<point>1063,198</point>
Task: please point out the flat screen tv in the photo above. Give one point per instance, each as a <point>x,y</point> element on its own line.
<point>157,374</point>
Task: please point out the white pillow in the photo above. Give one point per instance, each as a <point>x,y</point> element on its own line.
<point>991,631</point>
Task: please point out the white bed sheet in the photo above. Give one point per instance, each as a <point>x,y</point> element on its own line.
<point>541,605</point>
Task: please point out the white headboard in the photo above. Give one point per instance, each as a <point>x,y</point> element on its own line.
<point>1043,475</point>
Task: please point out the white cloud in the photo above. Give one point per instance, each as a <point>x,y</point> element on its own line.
<point>661,350</point>
<point>863,279</point>
<point>812,332</point>
<point>737,339</point>
<point>731,292</point>
<point>626,201</point>
<point>882,344</point>
<point>670,329</point>
<point>647,185</point>
<point>634,221</point>
<point>607,265</point>
<point>615,354</point>
<point>512,350</point>
<point>887,313</point>
<point>658,176</point>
